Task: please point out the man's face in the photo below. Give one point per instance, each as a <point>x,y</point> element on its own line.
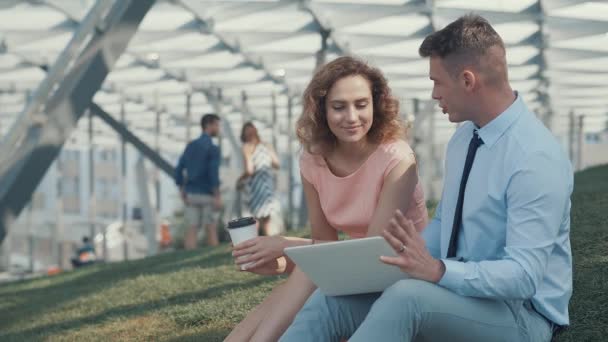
<point>448,91</point>
<point>214,128</point>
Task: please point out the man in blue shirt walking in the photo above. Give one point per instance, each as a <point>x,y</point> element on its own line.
<point>197,176</point>
<point>495,262</point>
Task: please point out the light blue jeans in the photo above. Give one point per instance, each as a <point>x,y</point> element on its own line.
<point>415,310</point>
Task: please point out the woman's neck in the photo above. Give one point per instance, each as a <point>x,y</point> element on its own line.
<point>347,158</point>
<point>353,151</point>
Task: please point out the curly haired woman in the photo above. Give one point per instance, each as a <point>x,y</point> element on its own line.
<point>356,172</point>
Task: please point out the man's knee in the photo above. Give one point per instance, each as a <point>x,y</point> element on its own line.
<point>327,306</point>
<point>412,293</point>
<point>319,301</point>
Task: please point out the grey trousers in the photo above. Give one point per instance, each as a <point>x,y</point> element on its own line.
<point>415,310</point>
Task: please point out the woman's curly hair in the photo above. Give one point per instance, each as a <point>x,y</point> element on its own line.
<point>312,128</point>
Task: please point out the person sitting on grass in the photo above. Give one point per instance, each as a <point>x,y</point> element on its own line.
<point>495,262</point>
<point>85,254</point>
<point>356,171</point>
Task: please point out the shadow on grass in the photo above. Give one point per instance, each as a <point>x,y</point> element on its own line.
<point>127,311</point>
<point>92,279</point>
<point>211,335</point>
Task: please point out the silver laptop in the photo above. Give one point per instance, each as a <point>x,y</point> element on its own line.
<point>347,267</point>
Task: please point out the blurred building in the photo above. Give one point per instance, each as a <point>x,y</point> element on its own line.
<point>62,209</point>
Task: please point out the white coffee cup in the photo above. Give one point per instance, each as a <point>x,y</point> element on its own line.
<point>241,230</point>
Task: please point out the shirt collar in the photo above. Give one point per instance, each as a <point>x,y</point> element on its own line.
<point>499,125</point>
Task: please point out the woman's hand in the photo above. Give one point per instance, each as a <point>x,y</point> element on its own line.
<point>273,267</point>
<point>259,251</point>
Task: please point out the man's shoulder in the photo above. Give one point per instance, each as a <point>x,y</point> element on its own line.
<point>532,147</point>
<point>531,137</point>
<point>462,134</point>
<point>201,142</point>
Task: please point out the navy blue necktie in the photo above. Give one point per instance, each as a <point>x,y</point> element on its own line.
<point>473,145</point>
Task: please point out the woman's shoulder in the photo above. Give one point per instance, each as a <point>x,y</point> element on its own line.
<point>311,160</point>
<point>396,149</point>
<point>394,153</point>
<point>312,166</point>
<point>248,147</point>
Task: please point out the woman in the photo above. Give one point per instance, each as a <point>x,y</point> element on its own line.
<point>356,172</point>
<point>259,159</point>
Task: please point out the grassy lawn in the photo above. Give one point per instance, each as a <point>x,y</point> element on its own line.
<point>199,295</point>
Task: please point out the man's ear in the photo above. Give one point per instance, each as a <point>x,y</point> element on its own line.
<point>469,80</point>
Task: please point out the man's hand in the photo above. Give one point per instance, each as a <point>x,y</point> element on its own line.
<point>184,196</point>
<point>412,256</point>
<point>217,202</point>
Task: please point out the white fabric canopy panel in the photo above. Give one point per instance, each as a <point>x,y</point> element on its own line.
<point>557,52</point>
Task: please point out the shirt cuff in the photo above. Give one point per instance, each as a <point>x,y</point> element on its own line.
<point>453,277</point>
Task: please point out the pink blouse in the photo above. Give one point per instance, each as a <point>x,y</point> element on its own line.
<point>349,202</point>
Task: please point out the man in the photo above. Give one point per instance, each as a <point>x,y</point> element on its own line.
<point>495,262</point>
<point>200,188</point>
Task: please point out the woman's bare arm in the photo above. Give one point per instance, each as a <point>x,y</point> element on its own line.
<point>273,157</point>
<point>247,162</point>
<point>263,249</point>
<point>396,193</point>
<point>298,287</point>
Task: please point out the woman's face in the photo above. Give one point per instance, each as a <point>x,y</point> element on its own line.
<point>349,109</point>
<point>249,134</point>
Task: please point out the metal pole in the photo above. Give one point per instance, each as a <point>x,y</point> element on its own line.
<point>58,236</point>
<point>92,204</point>
<point>320,61</point>
<point>220,139</point>
<point>123,173</point>
<point>275,125</point>
<point>571,137</point>
<point>56,72</point>
<point>30,237</point>
<point>157,147</point>
<point>579,155</point>
<point>290,179</point>
<point>322,53</point>
<point>155,223</point>
<point>244,106</point>
<point>416,108</point>
<point>40,136</point>
<point>188,116</point>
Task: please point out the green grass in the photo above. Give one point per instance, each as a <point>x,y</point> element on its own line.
<point>199,295</point>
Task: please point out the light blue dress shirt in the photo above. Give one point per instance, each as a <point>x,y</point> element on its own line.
<point>515,236</point>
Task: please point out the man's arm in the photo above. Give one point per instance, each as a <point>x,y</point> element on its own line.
<point>214,169</point>
<point>179,169</point>
<point>432,234</point>
<point>537,196</point>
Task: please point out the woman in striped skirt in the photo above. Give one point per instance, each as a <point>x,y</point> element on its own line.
<point>260,160</point>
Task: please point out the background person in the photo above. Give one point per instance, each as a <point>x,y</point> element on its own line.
<point>85,254</point>
<point>197,176</point>
<point>259,179</point>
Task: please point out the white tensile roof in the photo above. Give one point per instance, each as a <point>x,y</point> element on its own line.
<point>557,52</point>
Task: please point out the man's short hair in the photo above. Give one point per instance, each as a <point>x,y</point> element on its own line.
<point>208,119</point>
<point>462,42</point>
